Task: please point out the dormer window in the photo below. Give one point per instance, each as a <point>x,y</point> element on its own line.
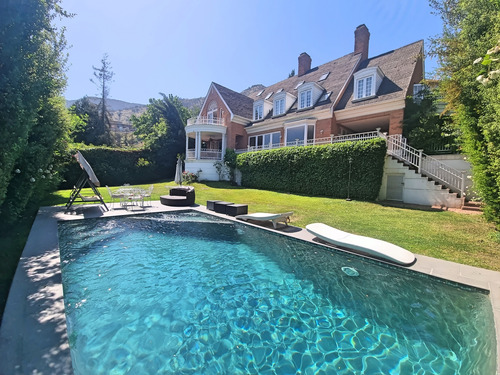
<point>261,108</point>
<point>305,99</point>
<point>309,93</point>
<point>282,102</point>
<point>258,111</point>
<point>364,88</point>
<point>279,106</point>
<point>367,82</point>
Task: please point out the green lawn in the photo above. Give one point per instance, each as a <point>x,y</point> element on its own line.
<point>466,239</point>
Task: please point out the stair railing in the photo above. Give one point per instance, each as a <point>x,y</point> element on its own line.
<point>425,164</point>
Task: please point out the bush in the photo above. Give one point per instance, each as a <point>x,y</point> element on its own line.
<point>189,177</point>
<point>318,170</point>
<point>116,167</point>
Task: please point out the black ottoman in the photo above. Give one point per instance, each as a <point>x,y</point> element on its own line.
<point>220,207</point>
<point>210,205</point>
<point>236,209</point>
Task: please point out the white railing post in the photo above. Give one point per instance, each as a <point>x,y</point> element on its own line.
<point>419,165</point>
<point>462,185</point>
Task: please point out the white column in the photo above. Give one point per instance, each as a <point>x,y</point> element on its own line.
<point>187,146</point>
<point>198,145</point>
<point>223,146</point>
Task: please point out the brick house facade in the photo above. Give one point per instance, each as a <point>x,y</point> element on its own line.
<point>351,94</point>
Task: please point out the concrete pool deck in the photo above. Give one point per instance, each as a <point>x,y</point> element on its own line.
<point>33,337</point>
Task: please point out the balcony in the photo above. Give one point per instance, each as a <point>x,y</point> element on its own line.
<point>203,120</point>
<point>205,154</point>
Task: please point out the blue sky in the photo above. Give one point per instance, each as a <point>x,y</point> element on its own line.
<point>180,47</point>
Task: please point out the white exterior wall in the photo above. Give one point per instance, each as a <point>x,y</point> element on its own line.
<point>208,171</point>
<point>417,189</point>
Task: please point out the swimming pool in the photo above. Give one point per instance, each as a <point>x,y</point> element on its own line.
<point>191,293</point>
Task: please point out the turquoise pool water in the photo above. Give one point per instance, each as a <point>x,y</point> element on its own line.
<point>187,293</point>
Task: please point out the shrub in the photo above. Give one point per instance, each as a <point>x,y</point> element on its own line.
<point>189,177</point>
<point>114,166</point>
<point>318,170</point>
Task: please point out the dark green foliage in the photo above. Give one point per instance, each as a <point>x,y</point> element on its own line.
<point>427,129</point>
<point>161,128</point>
<point>91,133</point>
<point>471,29</point>
<point>114,167</point>
<point>33,120</point>
<point>318,170</point>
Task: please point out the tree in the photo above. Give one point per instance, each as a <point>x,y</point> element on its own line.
<point>89,130</point>
<point>291,74</point>
<point>472,28</point>
<point>34,123</point>
<point>103,78</point>
<point>161,128</point>
<point>426,128</point>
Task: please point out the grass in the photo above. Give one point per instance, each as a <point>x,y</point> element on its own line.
<point>466,239</point>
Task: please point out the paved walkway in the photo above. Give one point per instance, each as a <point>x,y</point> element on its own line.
<point>33,338</point>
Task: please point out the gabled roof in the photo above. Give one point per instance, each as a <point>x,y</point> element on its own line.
<point>340,71</point>
<point>398,67</point>
<point>239,104</point>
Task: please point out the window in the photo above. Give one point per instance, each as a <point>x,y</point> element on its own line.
<point>279,107</point>
<point>212,112</point>
<point>269,95</point>
<point>305,99</point>
<point>269,140</point>
<point>258,112</point>
<point>260,92</point>
<point>326,96</point>
<point>365,88</point>
<point>299,84</point>
<point>324,76</point>
<point>367,82</point>
<point>299,135</point>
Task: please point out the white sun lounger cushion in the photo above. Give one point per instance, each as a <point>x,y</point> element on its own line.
<point>264,216</point>
<point>368,245</point>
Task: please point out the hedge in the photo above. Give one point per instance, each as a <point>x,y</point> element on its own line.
<point>318,170</point>
<point>116,167</point>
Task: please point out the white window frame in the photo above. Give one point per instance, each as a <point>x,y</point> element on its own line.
<point>259,140</point>
<point>367,82</point>
<point>258,112</point>
<point>212,111</point>
<point>305,139</point>
<point>305,99</point>
<point>279,106</point>
<point>364,87</point>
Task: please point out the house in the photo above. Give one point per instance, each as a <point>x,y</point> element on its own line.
<point>352,96</point>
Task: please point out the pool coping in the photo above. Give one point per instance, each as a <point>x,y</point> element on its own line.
<point>33,338</point>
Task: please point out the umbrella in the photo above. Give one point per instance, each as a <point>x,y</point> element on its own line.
<point>178,172</point>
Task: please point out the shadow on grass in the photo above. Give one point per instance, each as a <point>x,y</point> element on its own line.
<point>53,199</point>
<point>222,185</point>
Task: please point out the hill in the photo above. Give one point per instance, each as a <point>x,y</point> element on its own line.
<point>121,111</point>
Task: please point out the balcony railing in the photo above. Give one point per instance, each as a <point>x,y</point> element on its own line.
<point>311,142</point>
<point>203,120</point>
<point>205,154</point>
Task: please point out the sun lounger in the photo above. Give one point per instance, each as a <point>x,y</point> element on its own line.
<point>264,216</point>
<point>367,245</point>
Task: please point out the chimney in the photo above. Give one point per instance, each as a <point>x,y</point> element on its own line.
<point>361,41</point>
<point>304,63</point>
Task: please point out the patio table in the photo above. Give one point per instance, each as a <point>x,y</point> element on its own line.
<point>131,196</point>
